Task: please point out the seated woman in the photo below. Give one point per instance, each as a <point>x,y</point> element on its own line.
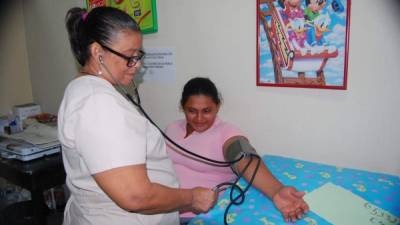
<point>203,133</point>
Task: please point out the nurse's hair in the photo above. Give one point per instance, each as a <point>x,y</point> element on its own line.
<point>99,25</point>
<point>200,86</point>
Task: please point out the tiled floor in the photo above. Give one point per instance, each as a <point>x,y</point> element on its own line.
<point>21,214</point>
<point>52,219</point>
<point>55,218</point>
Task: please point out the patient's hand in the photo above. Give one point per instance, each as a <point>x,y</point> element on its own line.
<point>290,203</point>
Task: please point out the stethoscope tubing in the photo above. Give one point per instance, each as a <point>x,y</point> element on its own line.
<point>238,199</point>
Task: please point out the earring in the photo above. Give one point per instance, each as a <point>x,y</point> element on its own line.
<point>99,72</point>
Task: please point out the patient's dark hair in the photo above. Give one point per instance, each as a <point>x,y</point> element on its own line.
<point>200,86</point>
<point>100,25</point>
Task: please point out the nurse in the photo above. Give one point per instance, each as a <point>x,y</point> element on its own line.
<point>118,170</point>
<point>203,133</point>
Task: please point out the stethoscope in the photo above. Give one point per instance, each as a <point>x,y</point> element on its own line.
<point>234,199</point>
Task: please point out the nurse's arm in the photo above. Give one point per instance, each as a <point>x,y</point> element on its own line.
<point>130,188</point>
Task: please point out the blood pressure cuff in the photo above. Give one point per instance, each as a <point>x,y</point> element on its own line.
<point>240,146</point>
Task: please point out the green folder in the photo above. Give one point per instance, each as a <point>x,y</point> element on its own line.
<point>143,11</point>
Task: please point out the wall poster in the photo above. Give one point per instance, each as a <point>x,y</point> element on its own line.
<point>303,43</point>
<point>143,11</point>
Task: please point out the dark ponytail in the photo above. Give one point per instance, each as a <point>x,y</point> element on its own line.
<point>100,25</point>
<point>74,24</point>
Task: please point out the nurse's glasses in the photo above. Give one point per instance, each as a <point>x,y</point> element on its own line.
<point>131,60</point>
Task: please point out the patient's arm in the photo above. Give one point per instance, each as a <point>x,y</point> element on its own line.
<point>287,200</point>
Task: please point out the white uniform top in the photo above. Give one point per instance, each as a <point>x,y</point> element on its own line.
<point>100,130</point>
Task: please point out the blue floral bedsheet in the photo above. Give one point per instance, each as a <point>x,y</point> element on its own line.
<point>380,189</point>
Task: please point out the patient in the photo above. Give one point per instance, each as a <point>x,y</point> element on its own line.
<point>203,133</point>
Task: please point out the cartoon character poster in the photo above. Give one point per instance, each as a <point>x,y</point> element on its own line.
<point>143,11</point>
<point>303,43</point>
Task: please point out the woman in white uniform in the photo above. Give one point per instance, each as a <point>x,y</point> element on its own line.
<point>118,171</point>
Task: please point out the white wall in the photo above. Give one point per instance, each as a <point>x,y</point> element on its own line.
<point>356,128</point>
<point>51,63</point>
<point>15,84</point>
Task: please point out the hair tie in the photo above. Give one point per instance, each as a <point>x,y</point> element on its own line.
<point>84,15</point>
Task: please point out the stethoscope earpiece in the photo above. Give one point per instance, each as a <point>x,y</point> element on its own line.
<point>101,59</point>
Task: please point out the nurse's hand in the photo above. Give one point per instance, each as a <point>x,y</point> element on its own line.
<point>203,199</point>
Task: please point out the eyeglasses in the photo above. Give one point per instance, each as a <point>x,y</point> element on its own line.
<point>132,60</point>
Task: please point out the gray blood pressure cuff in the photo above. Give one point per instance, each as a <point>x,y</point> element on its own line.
<point>240,146</point>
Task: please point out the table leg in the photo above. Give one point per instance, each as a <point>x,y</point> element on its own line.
<point>39,212</point>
